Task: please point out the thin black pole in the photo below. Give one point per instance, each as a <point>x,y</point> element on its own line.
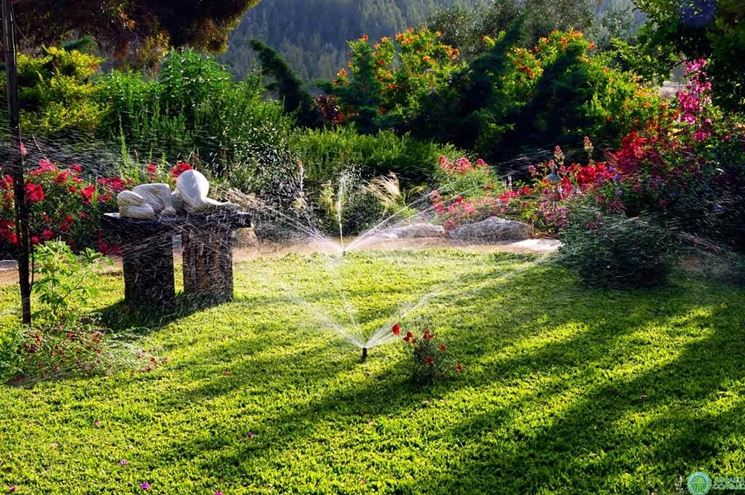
<point>16,162</point>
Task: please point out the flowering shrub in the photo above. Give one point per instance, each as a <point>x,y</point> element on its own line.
<point>394,75</point>
<point>469,192</point>
<point>67,205</point>
<point>64,205</point>
<point>431,360</point>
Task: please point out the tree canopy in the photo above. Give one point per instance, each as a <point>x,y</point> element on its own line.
<point>127,26</point>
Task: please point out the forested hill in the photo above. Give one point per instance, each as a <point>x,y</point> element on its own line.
<point>312,34</point>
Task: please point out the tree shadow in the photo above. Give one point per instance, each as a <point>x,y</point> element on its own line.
<point>583,369</point>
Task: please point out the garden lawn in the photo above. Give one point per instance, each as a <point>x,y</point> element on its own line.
<point>565,389</point>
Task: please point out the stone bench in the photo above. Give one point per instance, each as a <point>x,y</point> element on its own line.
<point>147,256</point>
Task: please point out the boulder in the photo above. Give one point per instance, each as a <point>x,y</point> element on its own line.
<point>493,229</point>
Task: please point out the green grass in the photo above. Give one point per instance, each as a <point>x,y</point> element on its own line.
<point>565,389</point>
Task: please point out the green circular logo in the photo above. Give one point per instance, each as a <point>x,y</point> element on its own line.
<point>699,483</point>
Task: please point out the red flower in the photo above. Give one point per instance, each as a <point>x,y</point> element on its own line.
<point>47,234</point>
<point>76,168</point>
<point>458,368</point>
<point>179,169</point>
<point>62,177</point>
<point>429,360</point>
<point>34,192</point>
<point>442,347</point>
<point>44,167</point>
<point>87,194</point>
<point>152,171</point>
<point>428,335</point>
<point>396,329</point>
<point>409,337</point>
<point>35,239</point>
<point>114,184</point>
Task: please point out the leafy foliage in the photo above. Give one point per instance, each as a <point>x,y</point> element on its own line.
<point>66,281</point>
<point>57,93</point>
<point>325,154</point>
<point>616,251</point>
<point>195,109</point>
<point>289,88</point>
<point>126,26</point>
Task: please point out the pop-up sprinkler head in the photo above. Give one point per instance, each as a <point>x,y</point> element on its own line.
<point>364,354</point>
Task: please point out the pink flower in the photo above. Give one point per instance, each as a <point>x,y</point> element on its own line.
<point>145,486</point>
<point>250,435</point>
<point>123,462</point>
<point>24,151</point>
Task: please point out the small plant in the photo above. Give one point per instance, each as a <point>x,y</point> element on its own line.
<point>64,341</point>
<point>430,358</point>
<point>66,283</point>
<point>393,199</point>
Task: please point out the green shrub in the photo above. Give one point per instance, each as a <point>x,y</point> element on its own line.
<point>616,251</point>
<point>326,154</point>
<point>193,108</point>
<point>57,92</point>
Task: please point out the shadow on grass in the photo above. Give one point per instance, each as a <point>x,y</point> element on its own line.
<point>561,435</point>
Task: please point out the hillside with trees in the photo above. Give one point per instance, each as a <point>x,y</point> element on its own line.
<point>312,34</point>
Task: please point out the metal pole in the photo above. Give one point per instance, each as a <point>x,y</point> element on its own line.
<point>15,160</point>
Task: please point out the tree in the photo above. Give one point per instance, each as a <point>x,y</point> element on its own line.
<point>706,28</point>
<point>288,86</point>
<point>126,26</point>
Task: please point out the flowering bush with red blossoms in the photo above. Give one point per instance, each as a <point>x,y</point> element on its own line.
<point>431,360</point>
<point>686,171</point>
<point>64,204</point>
<point>67,204</point>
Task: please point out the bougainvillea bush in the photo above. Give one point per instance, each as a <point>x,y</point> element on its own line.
<point>65,203</point>
<point>686,172</point>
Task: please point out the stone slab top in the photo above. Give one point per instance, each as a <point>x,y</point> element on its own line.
<point>231,219</point>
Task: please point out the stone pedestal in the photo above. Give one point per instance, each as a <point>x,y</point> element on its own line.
<point>208,262</point>
<point>147,260</point>
<point>147,256</point>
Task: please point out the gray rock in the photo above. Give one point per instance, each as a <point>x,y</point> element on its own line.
<point>7,265</point>
<point>413,231</point>
<point>493,229</point>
